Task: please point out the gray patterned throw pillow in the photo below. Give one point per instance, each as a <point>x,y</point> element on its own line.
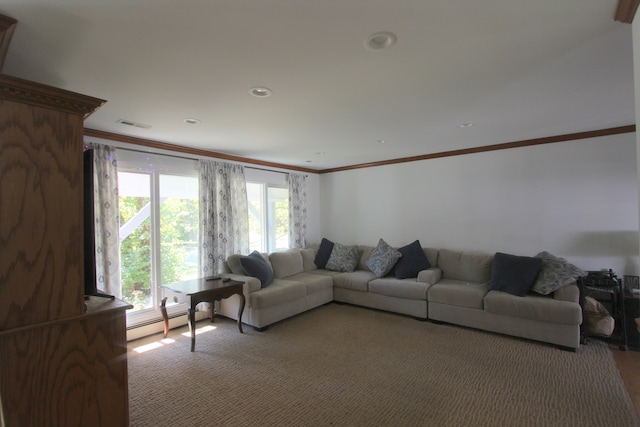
<point>343,258</point>
<point>555,273</point>
<point>382,259</point>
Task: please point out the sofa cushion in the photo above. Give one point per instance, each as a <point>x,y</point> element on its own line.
<point>459,294</point>
<point>533,307</point>
<point>255,265</point>
<point>554,274</point>
<point>514,274</point>
<point>432,255</point>
<point>571,293</point>
<point>413,261</point>
<point>357,280</point>
<point>365,253</point>
<point>468,266</point>
<point>233,262</point>
<point>382,259</point>
<point>279,292</point>
<point>323,272</point>
<point>308,259</point>
<point>313,282</point>
<point>430,276</point>
<point>286,263</point>
<point>399,288</point>
<point>343,258</point>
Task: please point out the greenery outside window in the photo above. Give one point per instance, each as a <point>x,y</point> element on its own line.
<point>159,218</point>
<point>268,201</point>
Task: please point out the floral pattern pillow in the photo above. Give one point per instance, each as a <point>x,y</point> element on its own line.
<point>383,258</point>
<point>343,258</point>
<point>555,273</point>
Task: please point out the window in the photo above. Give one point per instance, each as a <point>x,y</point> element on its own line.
<point>159,219</point>
<point>268,201</point>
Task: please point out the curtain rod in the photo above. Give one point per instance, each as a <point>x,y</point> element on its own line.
<point>191,158</point>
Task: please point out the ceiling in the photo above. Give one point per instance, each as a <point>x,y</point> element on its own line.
<point>516,70</point>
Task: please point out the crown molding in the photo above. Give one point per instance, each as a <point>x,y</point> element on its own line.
<point>493,147</point>
<point>188,150</point>
<point>626,10</point>
<point>40,95</point>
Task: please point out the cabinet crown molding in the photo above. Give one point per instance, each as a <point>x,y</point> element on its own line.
<point>40,95</point>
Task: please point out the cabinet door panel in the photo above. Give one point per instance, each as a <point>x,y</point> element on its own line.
<point>41,264</point>
<point>69,374</point>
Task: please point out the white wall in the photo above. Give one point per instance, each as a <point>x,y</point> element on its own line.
<point>576,199</point>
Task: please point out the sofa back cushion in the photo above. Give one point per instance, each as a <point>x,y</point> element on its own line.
<point>308,259</point>
<point>286,264</point>
<point>233,263</point>
<point>469,266</point>
<point>366,252</point>
<point>432,255</point>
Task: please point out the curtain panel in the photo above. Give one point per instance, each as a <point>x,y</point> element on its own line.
<point>224,227</point>
<point>297,210</point>
<point>107,218</point>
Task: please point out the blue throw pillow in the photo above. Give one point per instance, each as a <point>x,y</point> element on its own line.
<point>324,252</point>
<point>255,265</point>
<point>412,262</point>
<point>514,274</point>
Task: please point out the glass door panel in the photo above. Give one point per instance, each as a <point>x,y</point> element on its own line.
<point>135,239</point>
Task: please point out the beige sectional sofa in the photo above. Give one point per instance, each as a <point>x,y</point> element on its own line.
<point>456,290</point>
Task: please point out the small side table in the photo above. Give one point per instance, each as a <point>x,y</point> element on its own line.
<point>200,290</point>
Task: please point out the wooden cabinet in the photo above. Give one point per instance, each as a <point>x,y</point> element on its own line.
<point>59,365</point>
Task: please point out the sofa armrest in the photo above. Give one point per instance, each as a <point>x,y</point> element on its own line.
<point>251,284</point>
<point>569,293</point>
<point>430,275</point>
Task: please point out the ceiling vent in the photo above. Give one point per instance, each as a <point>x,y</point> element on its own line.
<point>133,124</point>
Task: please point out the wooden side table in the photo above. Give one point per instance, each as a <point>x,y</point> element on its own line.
<point>200,290</point>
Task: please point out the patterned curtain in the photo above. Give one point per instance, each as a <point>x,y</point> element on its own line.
<point>107,219</point>
<point>297,210</point>
<point>224,214</point>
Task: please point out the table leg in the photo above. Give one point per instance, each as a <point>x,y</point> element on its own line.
<point>240,310</point>
<point>191,313</point>
<point>163,309</point>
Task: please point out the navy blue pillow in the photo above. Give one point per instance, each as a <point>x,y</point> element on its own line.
<point>255,265</point>
<point>324,252</point>
<point>514,274</point>
<point>412,262</point>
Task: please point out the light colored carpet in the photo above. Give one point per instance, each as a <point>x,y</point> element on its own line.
<point>341,365</point>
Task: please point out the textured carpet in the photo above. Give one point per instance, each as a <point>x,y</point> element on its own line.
<point>340,365</point>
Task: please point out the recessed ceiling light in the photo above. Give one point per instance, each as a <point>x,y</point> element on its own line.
<point>465,125</point>
<point>381,141</point>
<point>260,92</point>
<point>380,40</point>
<point>320,153</point>
<point>192,121</point>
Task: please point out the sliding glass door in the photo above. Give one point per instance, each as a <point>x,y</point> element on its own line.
<point>158,197</point>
